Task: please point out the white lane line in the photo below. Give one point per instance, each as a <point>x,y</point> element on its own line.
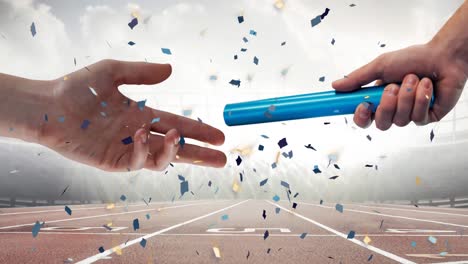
<point>409,210</point>
<point>103,206</point>
<point>230,235</point>
<point>453,262</point>
<point>420,206</point>
<point>104,215</point>
<point>392,216</point>
<point>355,241</point>
<point>137,240</point>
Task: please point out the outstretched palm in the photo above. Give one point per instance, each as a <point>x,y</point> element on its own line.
<point>95,124</point>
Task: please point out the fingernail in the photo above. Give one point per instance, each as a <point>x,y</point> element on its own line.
<point>144,138</point>
<point>394,90</point>
<point>411,79</point>
<point>364,113</point>
<point>426,83</point>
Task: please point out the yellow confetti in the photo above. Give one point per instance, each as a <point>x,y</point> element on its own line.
<point>418,180</point>
<point>367,240</point>
<point>135,14</point>
<point>366,97</point>
<point>117,250</point>
<point>279,4</point>
<point>244,151</point>
<point>277,157</point>
<point>235,186</point>
<point>110,206</point>
<point>109,224</point>
<point>217,252</point>
<point>65,78</point>
<point>197,161</point>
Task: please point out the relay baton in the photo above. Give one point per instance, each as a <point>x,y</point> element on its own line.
<point>328,103</point>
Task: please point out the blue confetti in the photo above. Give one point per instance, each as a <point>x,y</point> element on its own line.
<point>285,184</point>
<point>277,210</point>
<point>240,19</point>
<point>148,216</point>
<point>303,235</point>
<point>225,217</point>
<point>235,57</point>
<point>166,51</point>
<point>155,120</point>
<point>123,198</point>
<point>46,118</point>
<point>35,230</point>
<point>370,257</point>
<point>413,243</point>
<point>101,249</point>
<point>33,29</point>
<point>253,32</point>
<point>276,198</point>
<point>143,243</point>
<point>184,187</point>
<point>127,140</point>
<point>322,79</point>
<point>85,124</point>
<point>264,182</point>
<point>103,104</point>
<point>316,169</point>
<point>351,234</point>
<point>61,119</point>
<point>213,78</point>
<point>133,23</point>
<point>243,50</point>
<point>238,160</point>
<point>136,224</point>
<point>282,143</point>
<point>131,43</point>
<point>255,60</point>
<point>260,147</point>
<point>339,208</point>
<point>141,105</point>
<point>68,210</point>
<point>235,82</point>
<point>273,165</point>
<point>245,39</point>
<point>333,42</point>
<point>315,21</point>
<point>182,141</point>
<point>432,239</point>
<point>264,136</point>
<point>181,178</point>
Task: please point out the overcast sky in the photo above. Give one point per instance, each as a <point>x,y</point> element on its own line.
<point>205,35</point>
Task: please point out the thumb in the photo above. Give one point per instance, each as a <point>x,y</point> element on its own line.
<point>360,77</point>
<point>126,72</point>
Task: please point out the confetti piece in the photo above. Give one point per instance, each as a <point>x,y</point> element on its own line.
<point>334,177</point>
<point>136,224</point>
<point>61,119</point>
<point>294,205</point>
<point>276,198</point>
<point>235,83</point>
<point>101,249</point>
<point>110,206</point>
<point>133,23</point>
<point>93,91</point>
<point>263,182</point>
<point>266,235</point>
<point>35,230</point>
<point>279,4</point>
<point>255,60</point>
<point>260,147</point>
<point>336,166</point>
<point>382,45</point>
<point>184,187</point>
<point>33,29</point>
<point>238,160</point>
<point>321,202</point>
<point>182,142</point>
<point>418,180</point>
<point>277,210</point>
<point>127,140</point>
<point>245,39</point>
<point>240,19</point>
<point>253,32</point>
<point>367,240</point>
<point>235,57</point>
<point>131,43</point>
<point>64,190</point>
<point>303,235</point>
<point>282,143</point>
<point>413,244</point>
<point>68,210</point>
<point>432,239</point>
<point>352,5</point>
<point>283,43</point>
<point>432,135</point>
<point>166,51</point>
<point>322,79</point>
<point>309,146</point>
<point>107,227</point>
<point>235,187</point>
<point>339,208</point>
<point>85,124</point>
<point>117,250</point>
<point>315,21</point>
<point>248,254</point>
<point>141,105</point>
<point>369,138</point>
<point>216,252</point>
<point>333,42</point>
<point>351,234</point>
<point>285,184</point>
<point>370,257</point>
<point>225,217</point>
<point>143,243</point>
<point>316,169</point>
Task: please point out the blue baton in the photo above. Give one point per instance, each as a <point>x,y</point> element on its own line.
<point>300,106</point>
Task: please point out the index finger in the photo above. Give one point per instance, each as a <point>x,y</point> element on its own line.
<point>187,128</point>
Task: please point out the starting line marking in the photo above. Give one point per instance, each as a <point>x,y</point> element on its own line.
<point>355,241</point>
<point>108,252</point>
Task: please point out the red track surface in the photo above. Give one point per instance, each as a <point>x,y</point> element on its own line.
<point>186,232</point>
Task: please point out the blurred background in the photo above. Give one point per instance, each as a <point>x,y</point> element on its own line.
<point>403,164</point>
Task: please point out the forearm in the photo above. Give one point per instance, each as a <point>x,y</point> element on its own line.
<point>23,105</point>
<point>452,39</point>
